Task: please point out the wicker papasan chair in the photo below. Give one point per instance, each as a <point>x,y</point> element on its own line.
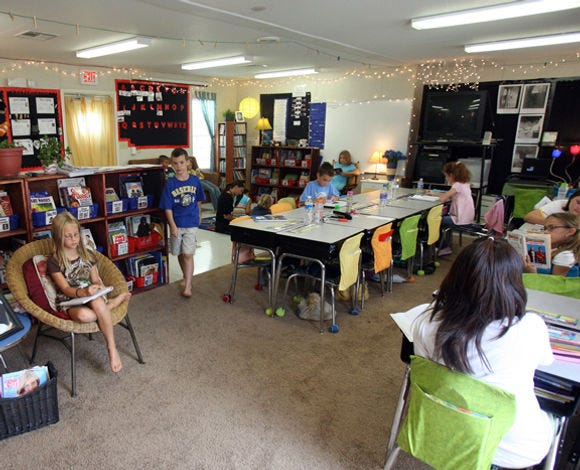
<point>110,275</point>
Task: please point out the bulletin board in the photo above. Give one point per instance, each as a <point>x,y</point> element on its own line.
<point>152,114</point>
<point>30,114</point>
<point>296,116</point>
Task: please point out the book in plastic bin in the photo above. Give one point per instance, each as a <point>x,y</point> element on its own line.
<point>124,181</point>
<point>111,195</point>
<point>5,205</point>
<point>79,196</point>
<point>138,225</point>
<point>134,189</point>
<point>42,234</point>
<point>16,384</point>
<point>536,246</point>
<point>41,201</point>
<point>117,233</point>
<point>88,239</point>
<point>63,184</point>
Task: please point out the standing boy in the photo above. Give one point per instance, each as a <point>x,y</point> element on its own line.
<point>321,187</point>
<point>181,198</point>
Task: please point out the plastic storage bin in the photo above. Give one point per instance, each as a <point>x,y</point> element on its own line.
<point>83,213</point>
<point>114,207</point>
<point>142,202</point>
<point>31,411</point>
<point>12,223</point>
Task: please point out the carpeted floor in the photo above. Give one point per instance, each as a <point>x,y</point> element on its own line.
<point>225,387</point>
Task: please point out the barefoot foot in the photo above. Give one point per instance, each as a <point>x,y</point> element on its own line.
<point>115,360</point>
<point>116,301</point>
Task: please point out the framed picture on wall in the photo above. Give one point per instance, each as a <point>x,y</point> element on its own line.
<point>535,97</point>
<point>239,116</point>
<point>508,99</point>
<point>529,128</point>
<point>521,152</point>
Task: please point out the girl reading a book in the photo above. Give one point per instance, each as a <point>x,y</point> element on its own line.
<point>564,231</point>
<point>478,325</point>
<point>73,269</point>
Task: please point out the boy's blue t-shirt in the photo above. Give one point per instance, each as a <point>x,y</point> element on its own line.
<point>182,197</point>
<point>339,181</point>
<point>313,189</point>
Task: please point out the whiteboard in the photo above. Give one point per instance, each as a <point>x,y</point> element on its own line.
<point>364,128</point>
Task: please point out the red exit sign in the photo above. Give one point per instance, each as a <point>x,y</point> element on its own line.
<point>89,77</point>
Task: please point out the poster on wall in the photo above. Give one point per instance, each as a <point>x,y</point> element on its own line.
<point>27,115</point>
<point>529,128</point>
<point>508,99</point>
<point>152,114</point>
<point>521,152</point>
<point>535,98</point>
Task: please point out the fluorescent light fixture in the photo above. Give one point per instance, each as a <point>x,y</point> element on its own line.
<point>493,13</point>
<point>538,41</point>
<point>206,64</point>
<point>286,73</point>
<point>114,48</point>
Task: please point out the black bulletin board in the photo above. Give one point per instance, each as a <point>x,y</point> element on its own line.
<point>152,114</point>
<point>30,114</point>
<point>297,113</point>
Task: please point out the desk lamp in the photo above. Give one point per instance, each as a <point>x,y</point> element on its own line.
<point>376,158</point>
<point>263,125</point>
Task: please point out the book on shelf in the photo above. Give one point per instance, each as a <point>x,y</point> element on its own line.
<point>117,233</point>
<point>143,265</point>
<point>42,234</point>
<point>17,384</point>
<point>134,189</point>
<point>88,239</point>
<point>64,183</point>
<point>78,196</point>
<point>125,179</point>
<point>5,205</point>
<point>41,201</point>
<point>83,300</point>
<point>138,225</point>
<point>111,195</point>
<point>536,246</point>
<point>270,218</point>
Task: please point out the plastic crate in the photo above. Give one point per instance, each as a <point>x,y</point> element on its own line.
<point>142,202</point>
<point>145,281</point>
<point>83,213</point>
<point>40,219</point>
<point>11,224</point>
<point>32,411</point>
<point>114,207</point>
<point>120,249</point>
<point>142,243</point>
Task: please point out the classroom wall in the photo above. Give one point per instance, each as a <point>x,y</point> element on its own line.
<point>342,92</point>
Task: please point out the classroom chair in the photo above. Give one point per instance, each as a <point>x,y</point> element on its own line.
<point>49,322</point>
<point>288,200</point>
<point>407,233</point>
<point>349,259</point>
<point>379,260</point>
<point>433,222</point>
<point>441,402</point>
<point>280,207</point>
<point>244,256</point>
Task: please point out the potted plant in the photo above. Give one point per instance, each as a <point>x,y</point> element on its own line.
<point>10,159</point>
<point>393,157</point>
<point>51,154</point>
<point>229,115</point>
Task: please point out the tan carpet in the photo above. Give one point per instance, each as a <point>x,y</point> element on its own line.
<point>225,387</point>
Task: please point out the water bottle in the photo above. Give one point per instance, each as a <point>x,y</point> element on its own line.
<point>349,202</point>
<point>562,191</point>
<point>384,194</point>
<point>318,211</point>
<point>309,206</point>
<point>420,185</point>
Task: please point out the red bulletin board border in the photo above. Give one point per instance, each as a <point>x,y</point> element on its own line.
<point>145,139</point>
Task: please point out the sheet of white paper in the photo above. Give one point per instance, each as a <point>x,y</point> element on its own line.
<point>279,133</point>
<point>404,320</point>
<point>424,197</point>
<point>46,126</point>
<point>20,127</point>
<point>44,105</point>
<point>19,105</point>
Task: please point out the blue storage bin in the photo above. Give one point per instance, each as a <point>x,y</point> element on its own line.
<point>124,203</point>
<point>40,219</point>
<point>134,202</point>
<point>93,211</point>
<point>12,223</point>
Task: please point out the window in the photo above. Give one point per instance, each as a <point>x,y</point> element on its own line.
<point>201,139</point>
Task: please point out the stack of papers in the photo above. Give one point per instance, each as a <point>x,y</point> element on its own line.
<point>424,197</point>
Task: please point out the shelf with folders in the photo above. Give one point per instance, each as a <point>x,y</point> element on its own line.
<point>231,151</point>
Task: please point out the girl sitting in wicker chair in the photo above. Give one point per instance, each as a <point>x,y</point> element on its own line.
<point>73,269</point>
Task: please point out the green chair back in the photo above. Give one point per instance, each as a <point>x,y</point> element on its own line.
<point>408,231</point>
<point>454,421</point>
<point>568,286</point>
<point>525,200</point>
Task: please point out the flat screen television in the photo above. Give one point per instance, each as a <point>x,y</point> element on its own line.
<point>453,115</point>
<point>429,166</point>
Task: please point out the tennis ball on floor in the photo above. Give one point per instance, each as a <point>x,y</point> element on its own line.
<point>269,311</point>
<point>297,299</point>
<point>280,312</point>
<point>437,264</point>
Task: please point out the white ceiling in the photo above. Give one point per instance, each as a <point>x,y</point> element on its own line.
<point>332,35</point>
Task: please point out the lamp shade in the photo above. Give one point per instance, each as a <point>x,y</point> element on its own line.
<point>377,157</point>
<point>263,124</point>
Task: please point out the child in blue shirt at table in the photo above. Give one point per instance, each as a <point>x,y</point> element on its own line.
<point>181,198</point>
<point>344,170</point>
<point>321,188</point>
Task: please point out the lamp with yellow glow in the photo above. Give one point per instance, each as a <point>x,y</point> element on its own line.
<point>376,158</point>
<point>263,125</point>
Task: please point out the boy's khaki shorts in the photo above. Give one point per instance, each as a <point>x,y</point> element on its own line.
<point>184,243</point>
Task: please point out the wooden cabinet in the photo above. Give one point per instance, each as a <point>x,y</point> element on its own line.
<point>283,171</point>
<point>231,151</point>
<point>97,218</point>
